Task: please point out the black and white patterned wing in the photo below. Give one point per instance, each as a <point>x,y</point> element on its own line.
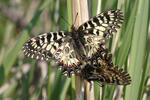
<point>108,75</point>
<point>95,32</point>
<point>54,45</point>
<point>104,72</point>
<point>100,28</point>
<point>103,24</point>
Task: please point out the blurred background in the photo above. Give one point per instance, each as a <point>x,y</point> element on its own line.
<point>22,78</point>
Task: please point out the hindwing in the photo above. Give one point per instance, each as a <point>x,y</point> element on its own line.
<point>103,71</point>
<point>108,75</point>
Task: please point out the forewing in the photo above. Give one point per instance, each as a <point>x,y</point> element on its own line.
<point>44,47</point>
<point>98,29</point>
<point>104,24</point>
<point>54,45</point>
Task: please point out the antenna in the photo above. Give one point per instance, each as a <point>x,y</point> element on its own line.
<point>72,26</point>
<point>75,19</point>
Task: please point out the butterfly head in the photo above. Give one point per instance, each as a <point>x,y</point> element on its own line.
<point>73,28</point>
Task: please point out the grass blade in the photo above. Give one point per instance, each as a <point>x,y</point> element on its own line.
<point>138,49</point>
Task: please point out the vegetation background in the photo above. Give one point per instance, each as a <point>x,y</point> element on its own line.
<point>22,78</point>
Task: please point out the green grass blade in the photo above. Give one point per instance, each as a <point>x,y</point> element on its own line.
<point>144,75</point>
<point>69,12</point>
<point>55,94</point>
<point>48,83</point>
<point>138,49</point>
<point>94,7</point>
<point>96,91</point>
<point>64,89</point>
<point>147,67</point>
<point>127,38</point>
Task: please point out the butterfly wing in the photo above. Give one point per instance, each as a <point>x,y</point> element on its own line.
<point>112,75</point>
<point>104,72</point>
<point>54,45</point>
<point>100,28</point>
<point>108,21</point>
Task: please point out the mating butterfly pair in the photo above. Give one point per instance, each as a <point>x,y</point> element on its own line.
<point>74,51</point>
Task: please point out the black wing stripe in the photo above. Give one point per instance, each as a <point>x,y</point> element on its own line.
<point>107,18</point>
<point>49,37</point>
<point>60,33</point>
<point>96,21</point>
<point>55,36</point>
<point>90,23</point>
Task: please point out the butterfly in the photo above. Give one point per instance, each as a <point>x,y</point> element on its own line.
<point>70,50</point>
<point>103,71</point>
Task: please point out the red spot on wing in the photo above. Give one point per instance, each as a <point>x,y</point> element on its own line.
<point>69,66</point>
<point>61,61</point>
<point>99,43</point>
<point>36,38</point>
<point>99,48</point>
<point>59,50</point>
<point>65,65</point>
<point>74,64</point>
<point>79,63</point>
